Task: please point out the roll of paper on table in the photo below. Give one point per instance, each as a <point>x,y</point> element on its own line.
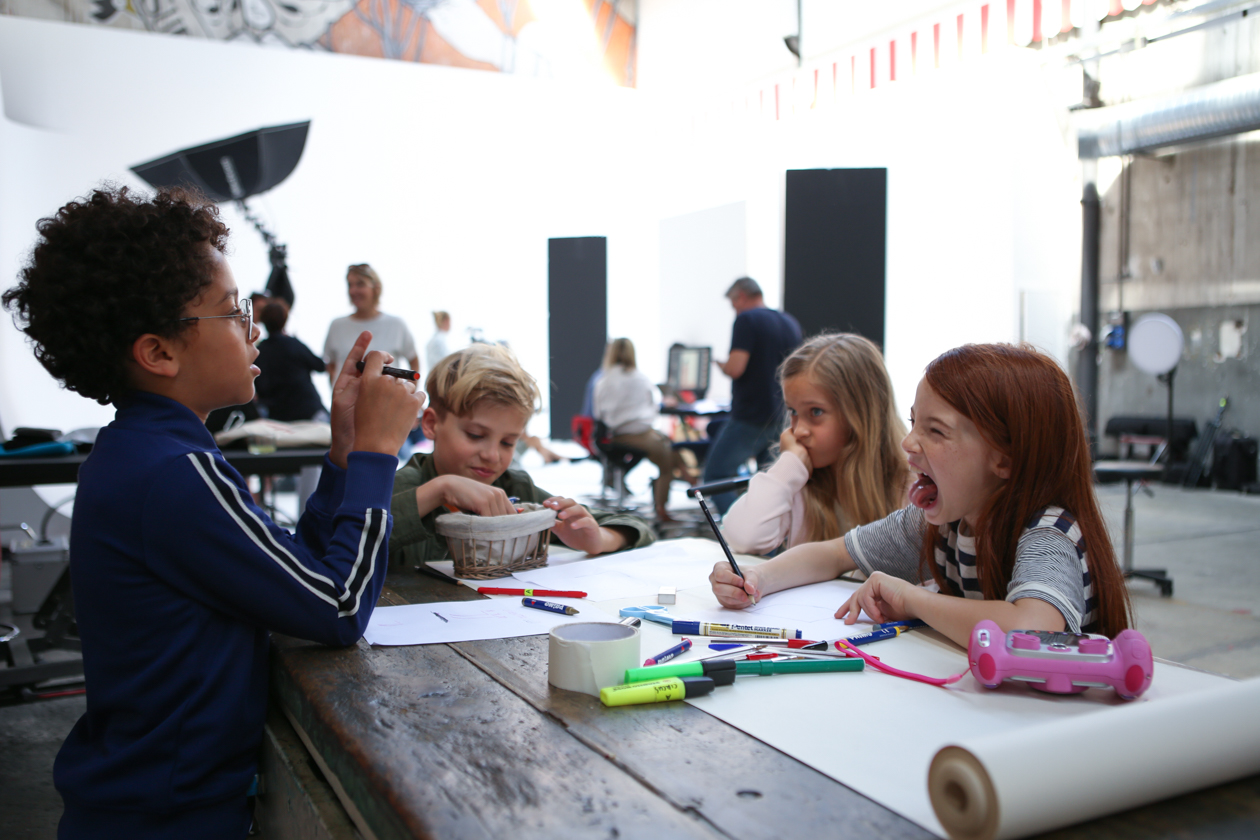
<point>657,691</point>
<point>549,606</point>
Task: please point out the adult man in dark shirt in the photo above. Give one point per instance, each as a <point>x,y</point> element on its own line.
<point>760,340</point>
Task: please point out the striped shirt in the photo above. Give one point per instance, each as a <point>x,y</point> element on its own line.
<point>1050,562</point>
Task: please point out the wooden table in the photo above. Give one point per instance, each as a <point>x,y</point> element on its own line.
<point>468,740</point>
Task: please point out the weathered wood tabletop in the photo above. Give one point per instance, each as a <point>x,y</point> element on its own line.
<point>468,740</point>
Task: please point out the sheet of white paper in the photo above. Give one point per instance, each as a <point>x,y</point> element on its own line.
<point>464,621</point>
<point>632,574</point>
<point>810,609</point>
<point>848,725</point>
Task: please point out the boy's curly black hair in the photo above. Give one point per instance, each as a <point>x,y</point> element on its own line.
<point>108,269</point>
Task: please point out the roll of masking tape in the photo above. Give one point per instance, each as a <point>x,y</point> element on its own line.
<point>592,655</point>
<point>1012,785</point>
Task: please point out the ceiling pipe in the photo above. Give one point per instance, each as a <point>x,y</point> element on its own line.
<point>1220,109</point>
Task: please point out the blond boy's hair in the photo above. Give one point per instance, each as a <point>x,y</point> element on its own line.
<point>477,373</point>
<point>868,480</point>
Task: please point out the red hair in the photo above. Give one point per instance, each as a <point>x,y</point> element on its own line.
<point>1023,405</point>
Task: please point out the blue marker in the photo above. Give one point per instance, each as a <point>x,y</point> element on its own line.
<point>909,625</point>
<point>661,658</point>
<point>875,636</point>
<point>549,606</point>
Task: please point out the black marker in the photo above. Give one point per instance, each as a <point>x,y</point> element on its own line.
<point>401,373</point>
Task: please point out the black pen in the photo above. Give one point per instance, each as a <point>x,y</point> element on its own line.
<point>401,373</point>
<point>717,532</point>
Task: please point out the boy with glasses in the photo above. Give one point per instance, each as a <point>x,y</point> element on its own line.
<point>178,576</point>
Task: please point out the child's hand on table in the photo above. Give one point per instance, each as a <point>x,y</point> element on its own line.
<point>577,529</point>
<point>883,597</point>
<point>731,590</point>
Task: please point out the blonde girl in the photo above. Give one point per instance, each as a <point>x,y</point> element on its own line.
<point>840,462</point>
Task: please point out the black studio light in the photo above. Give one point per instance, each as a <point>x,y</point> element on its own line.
<point>235,169</point>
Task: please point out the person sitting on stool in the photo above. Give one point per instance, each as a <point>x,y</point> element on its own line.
<point>626,402</point>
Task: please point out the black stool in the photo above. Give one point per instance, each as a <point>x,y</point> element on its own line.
<point>617,460</point>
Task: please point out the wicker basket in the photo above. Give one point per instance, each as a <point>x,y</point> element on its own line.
<point>486,547</point>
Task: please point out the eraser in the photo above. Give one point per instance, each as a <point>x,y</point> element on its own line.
<point>667,595</point>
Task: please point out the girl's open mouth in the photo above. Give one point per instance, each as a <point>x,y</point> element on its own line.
<point>923,492</point>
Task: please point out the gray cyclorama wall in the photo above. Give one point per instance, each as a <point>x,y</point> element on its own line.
<point>1194,254</point>
<point>449,182</point>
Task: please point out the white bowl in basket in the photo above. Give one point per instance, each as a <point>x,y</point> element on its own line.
<point>496,546</point>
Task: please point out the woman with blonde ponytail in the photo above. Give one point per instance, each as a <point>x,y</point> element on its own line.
<point>840,463</point>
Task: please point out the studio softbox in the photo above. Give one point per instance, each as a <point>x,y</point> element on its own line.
<point>233,169</point>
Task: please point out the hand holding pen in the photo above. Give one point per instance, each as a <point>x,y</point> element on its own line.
<point>750,594</point>
<point>733,591</point>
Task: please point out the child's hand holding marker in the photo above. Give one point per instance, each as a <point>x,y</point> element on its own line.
<point>731,590</point>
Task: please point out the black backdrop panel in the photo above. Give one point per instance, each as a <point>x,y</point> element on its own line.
<point>577,291</point>
<point>834,250</point>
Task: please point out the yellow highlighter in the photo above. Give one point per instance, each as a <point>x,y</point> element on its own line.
<point>656,691</point>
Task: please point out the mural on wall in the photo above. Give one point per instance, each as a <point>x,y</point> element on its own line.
<point>558,39</point>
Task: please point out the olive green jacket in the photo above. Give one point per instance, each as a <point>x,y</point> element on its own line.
<point>414,539</point>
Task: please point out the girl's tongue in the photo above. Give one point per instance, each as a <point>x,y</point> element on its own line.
<point>923,492</point>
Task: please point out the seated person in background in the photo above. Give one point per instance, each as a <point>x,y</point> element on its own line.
<point>178,576</point>
<point>480,399</point>
<point>626,402</point>
<point>840,461</point>
<point>1002,514</point>
<point>284,384</point>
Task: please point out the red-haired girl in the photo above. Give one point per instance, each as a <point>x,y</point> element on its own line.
<point>1002,512</point>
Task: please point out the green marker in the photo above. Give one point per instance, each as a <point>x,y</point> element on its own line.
<point>766,668</point>
<point>702,668</point>
<point>657,691</point>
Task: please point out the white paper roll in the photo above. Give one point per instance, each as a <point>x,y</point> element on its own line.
<point>1056,774</point>
<point>592,655</point>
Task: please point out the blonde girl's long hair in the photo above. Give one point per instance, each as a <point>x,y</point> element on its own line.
<point>620,352</point>
<point>869,477</point>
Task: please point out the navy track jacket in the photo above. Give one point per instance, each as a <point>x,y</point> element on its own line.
<point>178,577</point>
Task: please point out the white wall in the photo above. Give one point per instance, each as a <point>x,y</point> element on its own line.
<point>702,253</point>
<point>448,181</point>
<point>983,179</point>
<point>451,181</point>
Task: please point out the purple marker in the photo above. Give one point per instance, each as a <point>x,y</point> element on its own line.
<point>676,650</point>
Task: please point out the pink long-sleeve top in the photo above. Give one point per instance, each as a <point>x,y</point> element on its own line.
<point>771,510</point>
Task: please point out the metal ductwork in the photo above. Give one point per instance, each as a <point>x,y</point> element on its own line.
<point>1228,107</point>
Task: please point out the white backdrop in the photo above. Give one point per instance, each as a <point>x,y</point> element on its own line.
<point>451,181</point>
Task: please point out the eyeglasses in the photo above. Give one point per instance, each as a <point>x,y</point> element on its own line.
<point>244,313</point>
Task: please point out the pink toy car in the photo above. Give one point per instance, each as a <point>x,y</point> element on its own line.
<point>1061,663</point>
